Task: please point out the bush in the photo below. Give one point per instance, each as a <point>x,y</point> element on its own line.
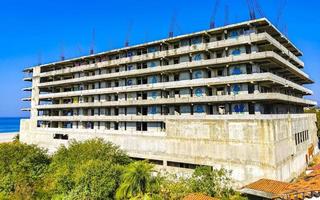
<point>174,188</point>
<point>212,182</point>
<point>79,170</point>
<point>21,168</point>
<point>137,182</point>
<point>16,138</point>
<point>95,169</point>
<point>96,180</point>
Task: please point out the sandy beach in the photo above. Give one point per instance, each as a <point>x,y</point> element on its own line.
<point>7,137</point>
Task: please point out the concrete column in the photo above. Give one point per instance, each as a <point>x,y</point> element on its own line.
<point>254,49</point>
<point>35,96</point>
<point>96,98</point>
<point>96,125</point>
<point>82,125</point>
<point>96,111</point>
<point>257,108</point>
<point>255,68</point>
<point>256,89</point>
<point>74,125</point>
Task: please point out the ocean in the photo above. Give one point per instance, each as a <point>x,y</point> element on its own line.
<point>9,124</point>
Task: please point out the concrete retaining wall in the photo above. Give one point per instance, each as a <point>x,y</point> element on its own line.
<point>253,147</point>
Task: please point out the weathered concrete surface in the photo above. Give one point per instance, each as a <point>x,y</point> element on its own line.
<point>253,147</point>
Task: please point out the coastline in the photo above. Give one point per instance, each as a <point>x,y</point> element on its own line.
<point>7,137</point>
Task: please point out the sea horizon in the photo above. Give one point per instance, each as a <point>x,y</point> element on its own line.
<point>10,124</point>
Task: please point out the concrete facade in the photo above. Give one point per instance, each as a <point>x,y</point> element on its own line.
<point>227,97</point>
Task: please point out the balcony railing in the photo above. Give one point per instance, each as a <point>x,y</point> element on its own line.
<point>244,78</point>
<point>188,100</point>
<point>183,50</point>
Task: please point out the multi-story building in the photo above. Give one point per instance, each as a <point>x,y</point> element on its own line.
<point>227,97</point>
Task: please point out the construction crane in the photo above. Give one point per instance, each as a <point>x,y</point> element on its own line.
<point>258,8</point>
<point>40,58</point>
<point>285,30</point>
<point>128,34</point>
<point>62,56</point>
<point>252,12</point>
<point>172,25</point>
<point>226,14</point>
<point>280,12</point>
<point>254,8</point>
<point>93,41</point>
<point>79,48</point>
<point>213,14</point>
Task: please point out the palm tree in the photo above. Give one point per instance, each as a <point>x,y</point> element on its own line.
<point>136,181</point>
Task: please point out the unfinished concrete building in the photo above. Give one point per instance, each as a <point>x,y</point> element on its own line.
<point>227,97</point>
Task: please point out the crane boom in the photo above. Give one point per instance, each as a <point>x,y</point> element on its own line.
<point>226,15</point>
<point>127,41</point>
<point>172,24</point>
<point>280,12</point>
<point>93,41</point>
<point>258,8</point>
<point>252,13</point>
<point>213,14</point>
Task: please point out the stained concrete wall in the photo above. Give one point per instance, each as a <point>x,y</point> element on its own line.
<point>253,147</point>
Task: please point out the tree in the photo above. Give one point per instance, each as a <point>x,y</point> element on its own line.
<point>70,172</point>
<point>21,168</point>
<point>138,182</point>
<point>96,180</point>
<point>212,182</point>
<point>174,188</point>
<point>95,149</point>
<point>16,138</point>
<point>95,169</point>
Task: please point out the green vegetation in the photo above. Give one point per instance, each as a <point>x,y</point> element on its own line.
<point>98,170</point>
<point>21,168</point>
<point>137,182</point>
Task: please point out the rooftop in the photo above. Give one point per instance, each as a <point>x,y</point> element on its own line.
<point>263,23</point>
<point>265,188</point>
<point>308,186</point>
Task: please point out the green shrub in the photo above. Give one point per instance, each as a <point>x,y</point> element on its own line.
<point>96,179</point>
<point>21,168</point>
<point>137,182</point>
<point>94,170</point>
<point>79,168</point>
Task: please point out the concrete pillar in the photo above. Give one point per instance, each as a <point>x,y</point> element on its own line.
<point>254,49</point>
<point>255,68</point>
<point>74,125</point>
<point>96,125</point>
<point>256,89</point>
<point>257,108</point>
<point>96,111</point>
<point>35,96</point>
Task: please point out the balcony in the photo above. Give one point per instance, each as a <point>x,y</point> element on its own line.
<point>26,99</point>
<point>188,100</point>
<point>26,109</point>
<point>243,78</point>
<point>27,89</point>
<point>245,39</point>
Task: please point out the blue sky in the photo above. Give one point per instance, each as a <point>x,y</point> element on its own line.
<point>32,28</point>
